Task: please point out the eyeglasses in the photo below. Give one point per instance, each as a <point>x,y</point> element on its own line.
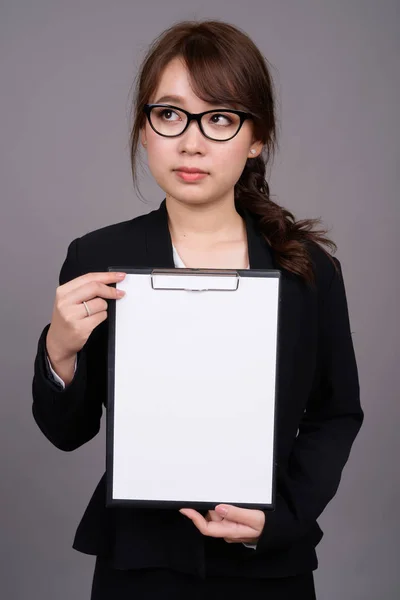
<point>217,125</point>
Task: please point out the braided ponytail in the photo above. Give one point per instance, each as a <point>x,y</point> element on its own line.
<point>287,237</point>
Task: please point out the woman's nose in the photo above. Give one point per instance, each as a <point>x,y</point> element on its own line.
<point>192,139</point>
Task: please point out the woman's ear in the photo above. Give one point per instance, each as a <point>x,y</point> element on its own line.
<point>255,149</point>
<point>143,137</point>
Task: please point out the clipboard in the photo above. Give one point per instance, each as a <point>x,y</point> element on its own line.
<point>192,388</point>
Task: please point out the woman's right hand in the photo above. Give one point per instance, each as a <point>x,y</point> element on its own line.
<point>70,325</point>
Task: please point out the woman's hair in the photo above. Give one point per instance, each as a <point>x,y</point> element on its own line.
<point>226,67</point>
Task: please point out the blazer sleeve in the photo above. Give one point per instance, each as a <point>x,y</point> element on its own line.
<point>330,424</point>
<point>71,416</point>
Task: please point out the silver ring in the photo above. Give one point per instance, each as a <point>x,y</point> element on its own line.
<point>87,308</point>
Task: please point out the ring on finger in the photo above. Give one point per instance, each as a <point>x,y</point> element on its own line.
<point>87,309</point>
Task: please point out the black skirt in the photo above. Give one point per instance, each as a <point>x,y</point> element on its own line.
<point>166,584</point>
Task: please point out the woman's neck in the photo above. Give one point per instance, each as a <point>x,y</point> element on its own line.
<point>204,225</point>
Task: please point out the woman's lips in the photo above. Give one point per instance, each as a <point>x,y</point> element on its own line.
<point>190,176</point>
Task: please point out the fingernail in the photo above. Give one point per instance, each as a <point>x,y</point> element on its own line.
<point>120,275</point>
<point>221,510</point>
<point>121,292</point>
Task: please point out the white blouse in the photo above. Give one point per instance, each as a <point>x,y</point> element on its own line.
<point>179,262</point>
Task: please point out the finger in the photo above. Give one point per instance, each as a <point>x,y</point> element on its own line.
<point>224,528</point>
<point>211,515</point>
<point>97,305</point>
<point>198,519</point>
<point>90,290</point>
<point>105,277</point>
<point>190,512</point>
<point>94,320</point>
<point>246,516</point>
<point>214,516</point>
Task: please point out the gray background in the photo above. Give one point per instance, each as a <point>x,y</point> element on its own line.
<point>66,73</point>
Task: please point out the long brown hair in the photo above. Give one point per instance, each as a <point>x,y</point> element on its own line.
<point>226,67</point>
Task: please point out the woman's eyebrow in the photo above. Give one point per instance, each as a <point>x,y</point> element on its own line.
<point>176,100</point>
<point>170,98</point>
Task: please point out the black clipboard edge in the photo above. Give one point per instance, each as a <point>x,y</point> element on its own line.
<point>174,504</point>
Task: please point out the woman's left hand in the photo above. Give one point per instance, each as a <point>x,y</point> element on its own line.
<point>234,524</point>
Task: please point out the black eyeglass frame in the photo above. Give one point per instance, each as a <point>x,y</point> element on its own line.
<point>197,117</point>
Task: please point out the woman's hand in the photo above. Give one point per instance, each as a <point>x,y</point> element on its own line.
<point>234,524</point>
<point>70,325</point>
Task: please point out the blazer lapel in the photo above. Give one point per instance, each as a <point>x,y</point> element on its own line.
<point>260,252</point>
<point>159,244</point>
<point>158,239</point>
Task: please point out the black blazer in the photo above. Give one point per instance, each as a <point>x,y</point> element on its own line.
<point>318,414</point>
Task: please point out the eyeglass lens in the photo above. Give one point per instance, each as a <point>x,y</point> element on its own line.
<point>219,125</point>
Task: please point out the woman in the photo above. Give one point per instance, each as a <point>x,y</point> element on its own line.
<point>205,114</point>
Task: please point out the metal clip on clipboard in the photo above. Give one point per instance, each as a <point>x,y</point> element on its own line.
<point>173,277</point>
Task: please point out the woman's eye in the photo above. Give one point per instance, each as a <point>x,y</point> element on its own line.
<point>169,111</point>
<point>216,119</point>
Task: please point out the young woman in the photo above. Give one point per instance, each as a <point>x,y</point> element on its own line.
<point>204,113</point>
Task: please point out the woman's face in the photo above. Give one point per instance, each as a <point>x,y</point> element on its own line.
<point>223,161</point>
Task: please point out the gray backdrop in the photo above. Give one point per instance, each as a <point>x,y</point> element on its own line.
<point>66,72</point>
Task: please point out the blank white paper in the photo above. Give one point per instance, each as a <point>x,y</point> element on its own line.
<point>194,391</point>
